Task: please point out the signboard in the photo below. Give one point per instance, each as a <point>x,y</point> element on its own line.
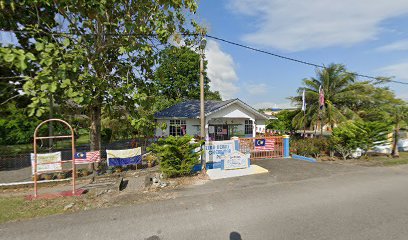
<point>236,160</point>
<point>218,150</point>
<point>47,162</point>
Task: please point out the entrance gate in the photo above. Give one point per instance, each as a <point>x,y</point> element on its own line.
<point>262,147</point>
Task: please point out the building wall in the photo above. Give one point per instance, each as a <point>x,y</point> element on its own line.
<point>192,128</point>
<point>232,115</point>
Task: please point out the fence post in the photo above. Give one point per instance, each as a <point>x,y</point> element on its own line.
<point>286,146</point>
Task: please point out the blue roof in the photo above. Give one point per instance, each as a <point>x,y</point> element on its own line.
<point>191,109</point>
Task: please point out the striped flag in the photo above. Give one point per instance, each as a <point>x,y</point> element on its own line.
<point>124,157</point>
<point>87,157</point>
<point>303,101</point>
<point>321,97</point>
<point>265,144</point>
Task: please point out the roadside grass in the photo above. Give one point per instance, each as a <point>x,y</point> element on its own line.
<point>403,159</point>
<point>17,208</point>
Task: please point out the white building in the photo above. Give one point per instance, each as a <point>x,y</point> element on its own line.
<point>223,120</point>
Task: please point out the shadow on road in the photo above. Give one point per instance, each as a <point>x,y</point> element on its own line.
<point>235,236</point>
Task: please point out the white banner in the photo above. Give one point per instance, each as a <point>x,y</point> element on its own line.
<point>236,160</point>
<point>47,162</point>
<point>218,150</point>
<point>126,153</point>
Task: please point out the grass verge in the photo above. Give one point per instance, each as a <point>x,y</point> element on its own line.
<point>17,208</point>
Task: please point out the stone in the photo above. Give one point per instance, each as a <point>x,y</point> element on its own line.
<point>69,206</point>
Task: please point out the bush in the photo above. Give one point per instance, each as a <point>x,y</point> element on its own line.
<point>309,147</point>
<point>176,155</point>
<point>106,135</point>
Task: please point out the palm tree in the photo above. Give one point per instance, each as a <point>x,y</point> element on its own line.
<point>340,89</point>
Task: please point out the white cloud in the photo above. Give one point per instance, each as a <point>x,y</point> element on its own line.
<point>300,25</point>
<point>260,105</point>
<point>257,88</point>
<point>399,71</point>
<point>395,46</point>
<point>221,70</point>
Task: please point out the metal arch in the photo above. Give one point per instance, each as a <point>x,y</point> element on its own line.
<point>72,151</point>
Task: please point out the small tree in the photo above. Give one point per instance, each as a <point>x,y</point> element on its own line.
<point>344,139</point>
<point>177,156</point>
<point>370,134</point>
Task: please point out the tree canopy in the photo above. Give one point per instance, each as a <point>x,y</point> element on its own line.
<point>178,75</point>
<point>95,53</point>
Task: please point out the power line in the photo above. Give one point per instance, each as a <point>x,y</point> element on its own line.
<point>218,39</point>
<point>298,61</point>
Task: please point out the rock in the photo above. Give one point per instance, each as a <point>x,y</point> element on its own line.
<point>69,206</point>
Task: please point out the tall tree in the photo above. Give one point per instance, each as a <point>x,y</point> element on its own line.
<point>106,54</point>
<point>178,75</point>
<point>339,89</point>
<point>399,116</point>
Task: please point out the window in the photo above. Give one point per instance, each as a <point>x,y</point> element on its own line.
<point>178,127</point>
<point>248,127</point>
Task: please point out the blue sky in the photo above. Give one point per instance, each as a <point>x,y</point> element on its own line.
<point>368,36</point>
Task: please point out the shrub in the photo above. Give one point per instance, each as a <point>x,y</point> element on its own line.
<point>309,147</point>
<point>176,155</point>
<point>352,135</point>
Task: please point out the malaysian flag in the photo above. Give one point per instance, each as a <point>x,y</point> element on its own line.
<point>87,157</point>
<point>321,97</point>
<point>264,144</point>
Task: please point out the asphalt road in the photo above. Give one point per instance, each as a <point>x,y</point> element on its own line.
<point>332,202</point>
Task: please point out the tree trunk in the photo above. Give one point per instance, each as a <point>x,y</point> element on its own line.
<point>95,128</point>
<point>395,152</point>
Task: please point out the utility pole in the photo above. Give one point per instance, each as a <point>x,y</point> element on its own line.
<point>203,42</point>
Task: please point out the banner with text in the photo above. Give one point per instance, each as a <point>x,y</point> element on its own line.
<point>47,162</point>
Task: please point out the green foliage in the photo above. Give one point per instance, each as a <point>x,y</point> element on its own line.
<point>106,135</point>
<point>15,126</point>
<point>370,134</point>
<point>178,76</point>
<point>309,147</point>
<point>106,59</point>
<point>365,135</point>
<point>284,121</point>
<point>176,155</point>
<point>344,139</point>
<point>339,89</point>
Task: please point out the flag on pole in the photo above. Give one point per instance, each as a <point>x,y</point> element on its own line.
<point>303,101</point>
<point>124,157</point>
<point>87,157</point>
<point>321,97</point>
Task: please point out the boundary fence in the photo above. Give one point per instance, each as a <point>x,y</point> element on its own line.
<point>273,147</point>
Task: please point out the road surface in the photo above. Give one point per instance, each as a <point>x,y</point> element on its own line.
<point>332,203</point>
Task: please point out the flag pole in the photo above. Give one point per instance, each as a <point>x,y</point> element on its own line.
<point>304,112</point>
